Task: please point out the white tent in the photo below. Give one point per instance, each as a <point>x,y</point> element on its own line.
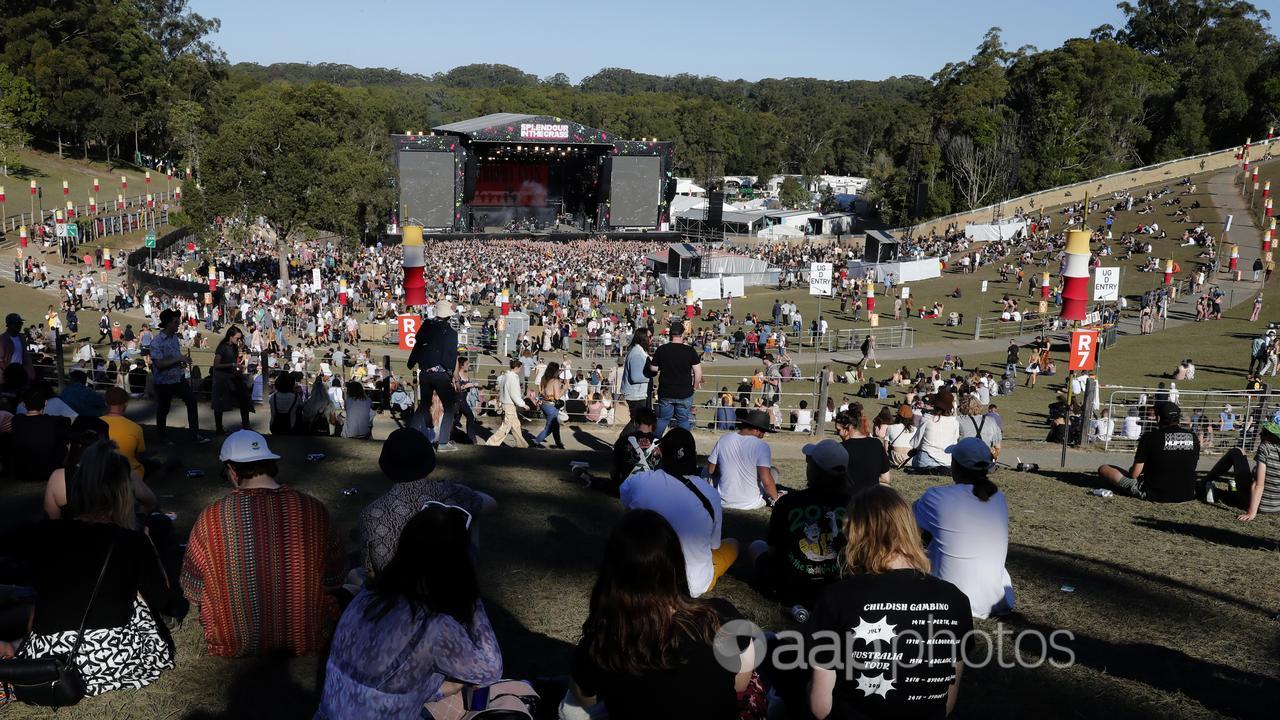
<point>685,186</point>
<point>990,232</point>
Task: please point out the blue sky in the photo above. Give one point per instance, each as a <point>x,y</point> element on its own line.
<point>750,39</point>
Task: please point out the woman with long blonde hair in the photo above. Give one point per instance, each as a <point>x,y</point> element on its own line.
<point>887,608</point>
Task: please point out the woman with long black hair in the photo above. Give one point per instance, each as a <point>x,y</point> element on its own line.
<point>418,632</point>
<point>647,647</point>
<point>230,389</point>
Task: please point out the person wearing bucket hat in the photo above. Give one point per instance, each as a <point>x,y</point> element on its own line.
<point>435,352</point>
<point>407,459</point>
<point>1164,465</point>
<point>13,346</point>
<point>1255,491</point>
<point>269,537</point>
<point>797,559</point>
<point>742,462</point>
<point>967,527</point>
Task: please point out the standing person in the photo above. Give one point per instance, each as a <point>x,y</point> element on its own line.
<point>463,385</point>
<point>869,351</point>
<point>924,619</point>
<point>551,391</point>
<point>13,346</point>
<point>167,366</point>
<point>435,351</point>
<point>229,386</point>
<point>967,528</point>
<point>262,562</point>
<point>1257,307</point>
<point>647,646</point>
<point>690,504</point>
<point>742,464</point>
<point>868,462</point>
<point>511,398</point>
<point>418,632</point>
<point>679,372</point>
<point>635,379</point>
<point>1011,359</point>
<point>1164,465</point>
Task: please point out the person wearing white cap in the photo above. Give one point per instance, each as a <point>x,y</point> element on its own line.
<point>435,351</point>
<point>262,561</point>
<point>967,526</point>
<point>800,556</point>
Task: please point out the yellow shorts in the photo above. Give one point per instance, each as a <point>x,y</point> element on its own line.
<point>722,558</point>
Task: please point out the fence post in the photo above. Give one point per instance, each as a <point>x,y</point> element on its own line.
<point>977,328</point>
<point>60,361</point>
<point>820,412</point>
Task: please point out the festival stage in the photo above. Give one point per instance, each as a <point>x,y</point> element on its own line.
<point>513,175</point>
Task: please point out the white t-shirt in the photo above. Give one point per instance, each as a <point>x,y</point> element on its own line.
<point>935,434</point>
<point>736,457</point>
<point>699,533</point>
<point>969,545</point>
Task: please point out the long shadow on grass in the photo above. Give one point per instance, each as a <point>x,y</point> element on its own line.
<point>1215,535</point>
<point>264,688</point>
<point>1221,688</point>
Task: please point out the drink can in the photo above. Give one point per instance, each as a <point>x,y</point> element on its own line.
<point>1102,492</point>
<point>349,491</point>
<point>195,473</point>
<point>799,613</point>
<point>315,457</point>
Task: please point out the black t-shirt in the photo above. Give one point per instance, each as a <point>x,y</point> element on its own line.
<point>867,462</point>
<point>1169,456</point>
<point>67,556</point>
<point>40,445</point>
<point>675,363</point>
<point>918,619</point>
<point>699,687</point>
<point>806,532</point>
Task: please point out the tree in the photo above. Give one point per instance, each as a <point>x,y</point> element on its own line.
<point>295,157</point>
<point>792,194</point>
<point>981,172</point>
<point>19,112</point>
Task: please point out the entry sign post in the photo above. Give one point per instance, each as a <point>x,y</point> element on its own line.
<point>820,276</point>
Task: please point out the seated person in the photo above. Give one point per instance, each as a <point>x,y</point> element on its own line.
<point>1257,491</point>
<point>967,527</point>
<point>418,632</point>
<point>407,459</point>
<point>285,549</point>
<point>80,398</point>
<point>690,504</point>
<point>797,559</point>
<point>1164,465</point>
<point>634,451</point>
<point>38,444</point>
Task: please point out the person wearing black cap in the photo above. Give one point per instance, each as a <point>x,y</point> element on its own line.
<point>407,459</point>
<point>679,371</point>
<point>1164,465</point>
<point>167,362</point>
<point>13,346</point>
<point>435,352</point>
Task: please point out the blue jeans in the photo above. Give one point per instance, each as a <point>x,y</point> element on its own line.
<point>553,423</point>
<point>680,408</point>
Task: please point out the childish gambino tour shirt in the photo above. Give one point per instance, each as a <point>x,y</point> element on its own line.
<point>895,639</point>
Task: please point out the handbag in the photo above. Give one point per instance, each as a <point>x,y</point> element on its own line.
<point>53,681</point>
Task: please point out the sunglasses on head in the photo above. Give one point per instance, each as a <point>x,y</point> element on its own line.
<point>436,503</point>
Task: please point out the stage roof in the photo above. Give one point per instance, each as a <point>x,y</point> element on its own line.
<point>520,127</point>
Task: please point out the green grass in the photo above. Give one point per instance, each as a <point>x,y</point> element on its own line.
<point>48,170</point>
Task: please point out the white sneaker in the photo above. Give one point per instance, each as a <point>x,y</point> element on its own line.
<point>447,447</point>
<point>1208,493</point>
